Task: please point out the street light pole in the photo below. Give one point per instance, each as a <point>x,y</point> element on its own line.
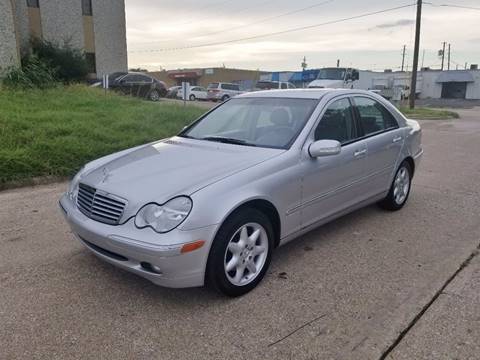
<point>413,85</point>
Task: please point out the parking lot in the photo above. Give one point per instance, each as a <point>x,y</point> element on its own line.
<point>370,285</point>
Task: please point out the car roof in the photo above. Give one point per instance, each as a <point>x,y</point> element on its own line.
<point>303,93</point>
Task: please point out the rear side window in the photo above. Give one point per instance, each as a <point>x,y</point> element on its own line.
<point>337,123</point>
<point>230,87</point>
<point>374,117</point>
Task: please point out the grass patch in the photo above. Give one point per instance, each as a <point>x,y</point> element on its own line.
<point>428,114</point>
<point>52,133</point>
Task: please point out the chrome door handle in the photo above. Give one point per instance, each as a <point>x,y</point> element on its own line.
<point>360,152</point>
<point>397,139</point>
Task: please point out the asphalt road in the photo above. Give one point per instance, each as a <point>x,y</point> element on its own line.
<point>371,285</point>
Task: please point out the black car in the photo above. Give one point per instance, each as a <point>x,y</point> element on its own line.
<point>138,84</point>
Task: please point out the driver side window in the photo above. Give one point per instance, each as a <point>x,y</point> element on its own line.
<point>337,123</point>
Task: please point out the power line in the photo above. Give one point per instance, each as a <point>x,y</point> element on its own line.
<point>453,6</point>
<point>270,18</point>
<point>208,18</point>
<point>201,9</point>
<point>302,28</point>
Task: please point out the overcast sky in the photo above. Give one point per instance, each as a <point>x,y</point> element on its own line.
<point>155,27</point>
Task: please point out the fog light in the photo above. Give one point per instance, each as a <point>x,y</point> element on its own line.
<point>151,268</point>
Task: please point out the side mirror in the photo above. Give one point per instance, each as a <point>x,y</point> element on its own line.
<point>323,148</point>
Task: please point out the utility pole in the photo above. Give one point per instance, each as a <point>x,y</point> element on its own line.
<point>304,63</point>
<point>413,85</point>
<point>443,55</point>
<point>338,63</point>
<point>423,58</point>
<point>449,48</point>
<point>403,56</point>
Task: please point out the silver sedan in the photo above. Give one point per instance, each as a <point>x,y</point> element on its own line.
<point>210,205</point>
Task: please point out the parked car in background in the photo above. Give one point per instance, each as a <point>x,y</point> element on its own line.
<point>196,93</point>
<point>272,85</point>
<point>210,205</point>
<point>222,91</point>
<point>172,92</point>
<point>138,84</point>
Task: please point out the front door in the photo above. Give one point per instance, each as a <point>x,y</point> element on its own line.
<point>332,184</point>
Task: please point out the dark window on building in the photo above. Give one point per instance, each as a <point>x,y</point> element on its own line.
<point>87,7</point>
<point>33,3</point>
<point>92,66</point>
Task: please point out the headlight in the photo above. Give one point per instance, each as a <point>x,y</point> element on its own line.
<point>73,187</point>
<point>166,217</point>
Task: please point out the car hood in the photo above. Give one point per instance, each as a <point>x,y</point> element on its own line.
<point>177,166</point>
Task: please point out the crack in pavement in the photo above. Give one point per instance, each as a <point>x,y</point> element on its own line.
<point>425,308</point>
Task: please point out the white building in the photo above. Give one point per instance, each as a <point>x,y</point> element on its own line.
<point>431,84</point>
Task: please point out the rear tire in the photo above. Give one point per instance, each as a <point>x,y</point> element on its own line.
<point>192,97</point>
<point>154,95</point>
<point>400,188</point>
<point>241,253</point>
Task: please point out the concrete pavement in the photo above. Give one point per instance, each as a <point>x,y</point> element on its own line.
<point>349,290</point>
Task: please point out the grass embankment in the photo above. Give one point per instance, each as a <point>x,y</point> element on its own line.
<point>52,133</point>
<point>428,114</point>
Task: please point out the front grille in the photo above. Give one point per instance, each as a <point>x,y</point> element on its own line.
<point>100,206</point>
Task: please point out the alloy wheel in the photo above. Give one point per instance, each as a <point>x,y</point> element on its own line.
<point>401,185</point>
<point>246,254</point>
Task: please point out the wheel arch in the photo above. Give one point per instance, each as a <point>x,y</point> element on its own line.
<point>410,162</point>
<point>267,208</point>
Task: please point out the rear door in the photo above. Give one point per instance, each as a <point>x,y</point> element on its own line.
<point>144,85</point>
<point>334,183</point>
<point>384,141</point>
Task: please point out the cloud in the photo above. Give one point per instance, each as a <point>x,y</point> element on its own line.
<point>398,23</point>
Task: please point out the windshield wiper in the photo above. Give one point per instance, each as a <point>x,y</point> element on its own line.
<point>187,136</point>
<point>227,140</point>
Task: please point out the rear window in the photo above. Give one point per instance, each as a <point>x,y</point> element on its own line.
<point>213,86</point>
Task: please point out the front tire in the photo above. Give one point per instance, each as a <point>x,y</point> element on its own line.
<point>400,188</point>
<point>225,98</point>
<point>241,253</point>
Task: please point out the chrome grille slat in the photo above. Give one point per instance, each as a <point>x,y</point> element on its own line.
<point>85,199</point>
<point>98,209</point>
<point>112,206</point>
<point>100,206</point>
<point>108,199</point>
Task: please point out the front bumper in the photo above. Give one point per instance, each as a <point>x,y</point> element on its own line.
<point>156,257</point>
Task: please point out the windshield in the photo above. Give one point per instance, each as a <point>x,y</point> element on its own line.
<point>264,122</point>
<point>331,74</point>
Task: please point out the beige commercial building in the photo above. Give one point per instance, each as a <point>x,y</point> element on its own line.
<point>94,26</point>
<point>202,77</point>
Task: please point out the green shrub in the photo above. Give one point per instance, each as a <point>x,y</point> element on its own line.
<point>70,64</point>
<point>34,73</point>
